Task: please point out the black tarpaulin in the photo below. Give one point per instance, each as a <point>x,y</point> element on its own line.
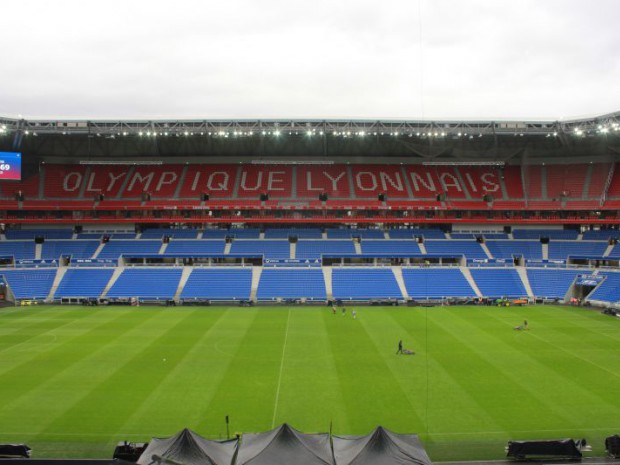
<point>553,448</point>
<point>285,446</point>
<point>380,447</point>
<point>188,448</point>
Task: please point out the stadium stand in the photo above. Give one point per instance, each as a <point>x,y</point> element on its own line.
<point>32,233</point>
<point>471,248</point>
<point>434,283</point>
<point>115,248</point>
<point>560,234</point>
<point>498,282</point>
<point>269,248</point>
<point>291,284</point>
<point>314,249</point>
<point>30,284</point>
<point>17,249</point>
<point>364,284</point>
<point>510,248</point>
<point>391,246</point>
<point>158,233</point>
<point>146,284</point>
<point>301,233</point>
<point>349,233</point>
<point>564,249</point>
<point>184,247</point>
<point>551,284</point>
<point>608,290</point>
<point>83,283</point>
<point>72,248</point>
<point>218,284</point>
<point>601,235</point>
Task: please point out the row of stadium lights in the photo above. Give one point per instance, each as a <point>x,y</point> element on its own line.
<point>599,129</point>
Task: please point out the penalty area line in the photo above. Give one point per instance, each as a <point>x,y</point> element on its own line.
<point>275,406</point>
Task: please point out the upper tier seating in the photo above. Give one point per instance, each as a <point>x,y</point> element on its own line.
<point>552,284</point>
<point>268,248</point>
<point>563,249</point>
<point>314,249</point>
<point>429,233</point>
<point>349,233</point>
<point>301,233</point>
<point>32,233</point>
<point>291,284</point>
<point>30,284</point>
<point>601,235</point>
<point>184,247</point>
<point>363,284</point>
<point>494,282</point>
<point>390,247</point>
<point>83,283</point>
<point>73,248</point>
<point>435,283</point>
<point>400,183</point>
<point>550,233</point>
<point>471,249</point>
<point>508,249</point>
<point>218,284</point>
<point>158,233</point>
<point>147,284</point>
<point>18,249</point>
<point>115,248</point>
<point>609,290</point>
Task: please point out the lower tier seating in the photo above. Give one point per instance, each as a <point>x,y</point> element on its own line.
<point>83,283</point>
<point>147,284</point>
<point>291,284</point>
<point>435,283</point>
<point>218,284</point>
<point>551,284</point>
<point>499,283</point>
<point>363,284</point>
<point>30,284</point>
<point>609,290</point>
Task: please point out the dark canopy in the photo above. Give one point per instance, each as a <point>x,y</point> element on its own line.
<point>380,447</point>
<point>285,446</point>
<point>188,448</point>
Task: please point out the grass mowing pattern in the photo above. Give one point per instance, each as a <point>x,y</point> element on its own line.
<point>74,381</point>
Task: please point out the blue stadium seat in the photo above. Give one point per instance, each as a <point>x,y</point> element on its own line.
<point>471,248</point>
<point>158,233</point>
<point>115,248</point>
<point>291,284</point>
<point>608,290</point>
<point>301,233</point>
<point>365,284</point>
<point>434,283</point>
<point>498,282</point>
<point>349,233</point>
<point>147,284</point>
<point>601,235</point>
<point>30,284</point>
<point>270,248</point>
<point>563,249</point>
<point>508,249</point>
<point>32,233</point>
<point>85,283</point>
<point>73,248</point>
<point>218,284</point>
<point>391,246</point>
<point>550,233</point>
<point>552,284</point>
<point>18,249</point>
<point>314,249</point>
<point>182,246</point>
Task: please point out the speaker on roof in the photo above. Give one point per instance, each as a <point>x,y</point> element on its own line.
<point>381,197</point>
<point>39,239</point>
<point>204,197</point>
<point>263,197</point>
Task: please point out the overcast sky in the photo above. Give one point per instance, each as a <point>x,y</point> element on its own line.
<point>410,59</point>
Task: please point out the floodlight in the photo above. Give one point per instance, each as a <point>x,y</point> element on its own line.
<point>276,132</point>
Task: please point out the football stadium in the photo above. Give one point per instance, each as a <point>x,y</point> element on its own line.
<point>268,289</point>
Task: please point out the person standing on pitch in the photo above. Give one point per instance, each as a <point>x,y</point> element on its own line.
<point>400,347</point>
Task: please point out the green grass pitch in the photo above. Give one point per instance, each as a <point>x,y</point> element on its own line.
<point>75,380</point>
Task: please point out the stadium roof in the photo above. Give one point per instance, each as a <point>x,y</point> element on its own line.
<point>277,139</point>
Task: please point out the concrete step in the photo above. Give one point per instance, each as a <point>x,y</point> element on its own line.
<point>525,280</point>
<point>38,248</point>
<point>545,251</point>
<point>117,272</point>
<point>398,274</point>
<point>187,270</point>
<point>98,251</point>
<point>256,272</point>
<point>327,276</point>
<point>292,250</point>
<point>470,280</point>
<point>59,275</point>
